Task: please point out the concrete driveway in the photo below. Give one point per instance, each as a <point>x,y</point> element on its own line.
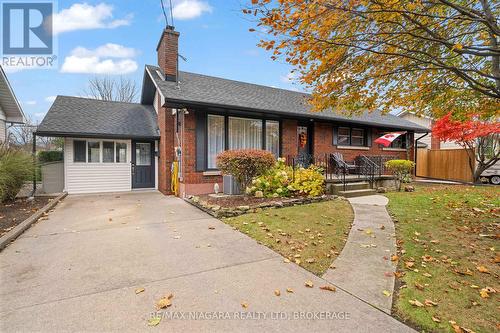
<point>78,271</point>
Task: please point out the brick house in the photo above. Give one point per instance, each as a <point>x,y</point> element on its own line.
<point>190,118</point>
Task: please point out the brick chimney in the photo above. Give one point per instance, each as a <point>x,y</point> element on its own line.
<point>167,49</point>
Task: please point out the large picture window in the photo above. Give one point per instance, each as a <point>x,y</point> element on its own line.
<point>215,138</point>
<point>273,137</point>
<point>108,151</point>
<point>229,133</point>
<point>245,133</point>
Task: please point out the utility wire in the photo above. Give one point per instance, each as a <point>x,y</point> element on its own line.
<point>164,13</point>
<point>171,14</point>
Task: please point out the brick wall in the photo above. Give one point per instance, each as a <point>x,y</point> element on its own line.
<point>195,182</point>
<point>166,125</point>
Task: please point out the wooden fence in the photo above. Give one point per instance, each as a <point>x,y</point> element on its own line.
<point>449,164</point>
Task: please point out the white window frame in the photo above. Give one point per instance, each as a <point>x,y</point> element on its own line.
<point>101,151</point>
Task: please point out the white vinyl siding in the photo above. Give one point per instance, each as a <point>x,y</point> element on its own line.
<point>3,131</point>
<point>3,127</point>
<point>81,177</point>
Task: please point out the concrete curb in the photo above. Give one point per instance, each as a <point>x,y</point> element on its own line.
<point>21,227</point>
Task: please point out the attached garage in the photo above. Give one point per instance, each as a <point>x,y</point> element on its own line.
<point>108,146</point>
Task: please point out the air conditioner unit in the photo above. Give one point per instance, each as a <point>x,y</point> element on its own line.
<point>230,185</point>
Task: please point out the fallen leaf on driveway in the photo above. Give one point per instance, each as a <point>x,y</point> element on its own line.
<point>277,292</point>
<point>211,228</point>
<point>164,302</point>
<point>177,237</point>
<point>386,293</point>
<point>139,290</point>
<point>289,290</point>
<point>154,321</point>
<point>244,305</point>
<point>328,287</point>
<point>309,284</point>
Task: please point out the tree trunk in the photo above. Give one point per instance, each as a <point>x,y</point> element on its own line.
<point>479,170</point>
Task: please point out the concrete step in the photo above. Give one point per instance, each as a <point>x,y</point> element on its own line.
<point>357,193</point>
<point>336,188</point>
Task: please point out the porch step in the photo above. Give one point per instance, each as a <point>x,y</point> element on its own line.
<point>349,186</point>
<point>357,193</point>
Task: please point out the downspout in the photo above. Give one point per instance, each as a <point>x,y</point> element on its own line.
<point>416,150</point>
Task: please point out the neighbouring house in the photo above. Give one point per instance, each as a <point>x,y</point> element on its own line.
<point>10,110</point>
<point>190,118</point>
<point>427,141</point>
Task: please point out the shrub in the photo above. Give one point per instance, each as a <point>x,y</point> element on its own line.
<point>245,164</point>
<point>50,156</point>
<point>279,181</point>
<point>402,171</point>
<point>16,167</point>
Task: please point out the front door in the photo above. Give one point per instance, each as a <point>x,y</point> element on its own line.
<point>143,164</point>
<point>304,138</point>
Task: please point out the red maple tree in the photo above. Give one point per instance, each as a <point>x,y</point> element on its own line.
<point>481,139</point>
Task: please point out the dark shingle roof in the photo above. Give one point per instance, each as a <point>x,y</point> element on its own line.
<point>209,90</point>
<point>90,117</point>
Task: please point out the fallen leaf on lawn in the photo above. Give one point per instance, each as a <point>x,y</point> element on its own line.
<point>310,260</point>
<point>482,269</point>
<point>484,293</point>
<point>309,284</point>
<point>409,264</point>
<point>398,274</point>
<point>139,290</point>
<point>497,260</point>
<point>415,303</point>
<point>456,328</point>
<point>419,286</point>
<point>473,286</point>
<point>286,260</point>
<point>289,290</point>
<point>427,275</point>
<point>328,287</point>
<point>394,258</point>
<point>244,305</point>
<point>428,302</point>
<point>386,293</point>
<point>297,261</point>
<point>154,321</point>
<point>436,319</point>
<point>297,256</point>
<point>277,292</point>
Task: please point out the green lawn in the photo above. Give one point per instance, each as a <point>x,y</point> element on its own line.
<point>449,237</point>
<point>310,235</point>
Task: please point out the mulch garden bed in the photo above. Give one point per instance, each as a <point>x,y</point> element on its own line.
<point>14,212</point>
<point>233,201</point>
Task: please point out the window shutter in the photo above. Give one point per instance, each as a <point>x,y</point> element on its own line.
<point>335,135</point>
<point>201,146</point>
<point>368,137</point>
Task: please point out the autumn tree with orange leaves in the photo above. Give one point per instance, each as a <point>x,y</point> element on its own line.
<point>481,139</point>
<point>424,56</point>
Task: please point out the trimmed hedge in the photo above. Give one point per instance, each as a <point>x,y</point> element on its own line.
<point>50,156</point>
<point>245,164</point>
<point>402,171</point>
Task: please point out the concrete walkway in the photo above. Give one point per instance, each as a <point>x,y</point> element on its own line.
<point>364,267</point>
<point>78,271</point>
